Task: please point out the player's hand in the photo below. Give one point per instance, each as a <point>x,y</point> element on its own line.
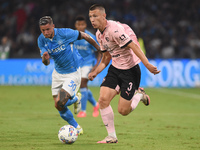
<point>153,69</point>
<point>46,55</point>
<point>92,75</point>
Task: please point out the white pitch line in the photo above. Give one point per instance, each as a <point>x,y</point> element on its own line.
<point>180,93</point>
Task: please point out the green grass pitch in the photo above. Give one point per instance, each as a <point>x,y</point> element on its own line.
<point>29,121</point>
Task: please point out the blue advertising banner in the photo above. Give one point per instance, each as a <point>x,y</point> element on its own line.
<point>174,73</point>
<point>25,72</point>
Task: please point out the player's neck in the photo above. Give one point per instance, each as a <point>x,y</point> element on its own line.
<point>103,27</point>
<point>52,35</point>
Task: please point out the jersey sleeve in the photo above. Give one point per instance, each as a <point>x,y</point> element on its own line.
<point>41,46</point>
<point>119,36</point>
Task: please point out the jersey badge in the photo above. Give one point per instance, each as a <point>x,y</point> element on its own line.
<point>107,39</point>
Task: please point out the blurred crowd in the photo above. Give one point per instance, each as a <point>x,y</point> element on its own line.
<point>169,28</point>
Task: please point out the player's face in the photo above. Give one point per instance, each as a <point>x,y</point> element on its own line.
<point>80,25</point>
<point>97,19</point>
<point>47,30</point>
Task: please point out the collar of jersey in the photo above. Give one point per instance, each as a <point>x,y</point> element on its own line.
<point>107,24</point>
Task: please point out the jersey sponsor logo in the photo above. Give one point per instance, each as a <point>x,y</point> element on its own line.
<point>58,49</point>
<point>81,47</point>
<point>123,37</point>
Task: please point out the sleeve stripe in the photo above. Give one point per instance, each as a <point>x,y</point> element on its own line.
<point>127,44</point>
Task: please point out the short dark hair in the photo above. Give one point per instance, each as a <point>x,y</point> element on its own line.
<point>97,6</point>
<point>45,20</point>
<point>80,18</point>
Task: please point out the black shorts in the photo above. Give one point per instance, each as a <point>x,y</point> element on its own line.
<point>127,80</point>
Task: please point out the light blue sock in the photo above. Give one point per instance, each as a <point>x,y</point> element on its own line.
<point>67,115</point>
<point>71,101</point>
<point>91,98</point>
<point>84,98</point>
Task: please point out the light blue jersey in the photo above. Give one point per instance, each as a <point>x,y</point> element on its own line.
<point>66,57</point>
<point>86,50</point>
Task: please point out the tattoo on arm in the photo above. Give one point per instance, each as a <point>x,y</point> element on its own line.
<point>90,40</point>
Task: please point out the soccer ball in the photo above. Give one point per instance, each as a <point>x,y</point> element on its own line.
<point>67,134</point>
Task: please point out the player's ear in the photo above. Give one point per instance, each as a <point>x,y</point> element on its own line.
<point>53,25</point>
<point>104,14</point>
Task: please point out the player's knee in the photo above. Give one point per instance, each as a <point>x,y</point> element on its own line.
<point>102,102</point>
<point>62,98</point>
<point>123,111</point>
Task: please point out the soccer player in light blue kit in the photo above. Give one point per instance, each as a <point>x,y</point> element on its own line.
<point>66,77</point>
<point>89,54</point>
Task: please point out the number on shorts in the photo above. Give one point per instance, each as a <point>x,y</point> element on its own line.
<point>130,86</point>
<point>72,85</point>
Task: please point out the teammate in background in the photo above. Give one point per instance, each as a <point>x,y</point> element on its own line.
<point>86,50</point>
<point>66,77</point>
<point>119,43</point>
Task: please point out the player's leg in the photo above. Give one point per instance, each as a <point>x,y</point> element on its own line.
<point>91,99</point>
<point>126,106</point>
<point>71,84</point>
<point>140,94</point>
<point>145,98</point>
<point>84,94</point>
<point>107,115</point>
<point>94,103</point>
<point>128,100</point>
<point>65,113</point>
<point>109,89</point>
<point>65,99</point>
<point>130,83</point>
<point>64,88</point>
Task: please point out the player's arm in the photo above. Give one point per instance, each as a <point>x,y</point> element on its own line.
<point>88,38</point>
<point>45,58</point>
<point>143,58</point>
<point>102,65</point>
<point>98,56</point>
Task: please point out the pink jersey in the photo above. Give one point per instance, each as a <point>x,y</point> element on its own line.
<point>114,39</point>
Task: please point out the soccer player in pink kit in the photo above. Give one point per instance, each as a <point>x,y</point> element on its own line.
<point>119,43</point>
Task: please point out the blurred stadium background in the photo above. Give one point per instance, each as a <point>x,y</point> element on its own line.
<point>170,33</point>
<point>168,30</point>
